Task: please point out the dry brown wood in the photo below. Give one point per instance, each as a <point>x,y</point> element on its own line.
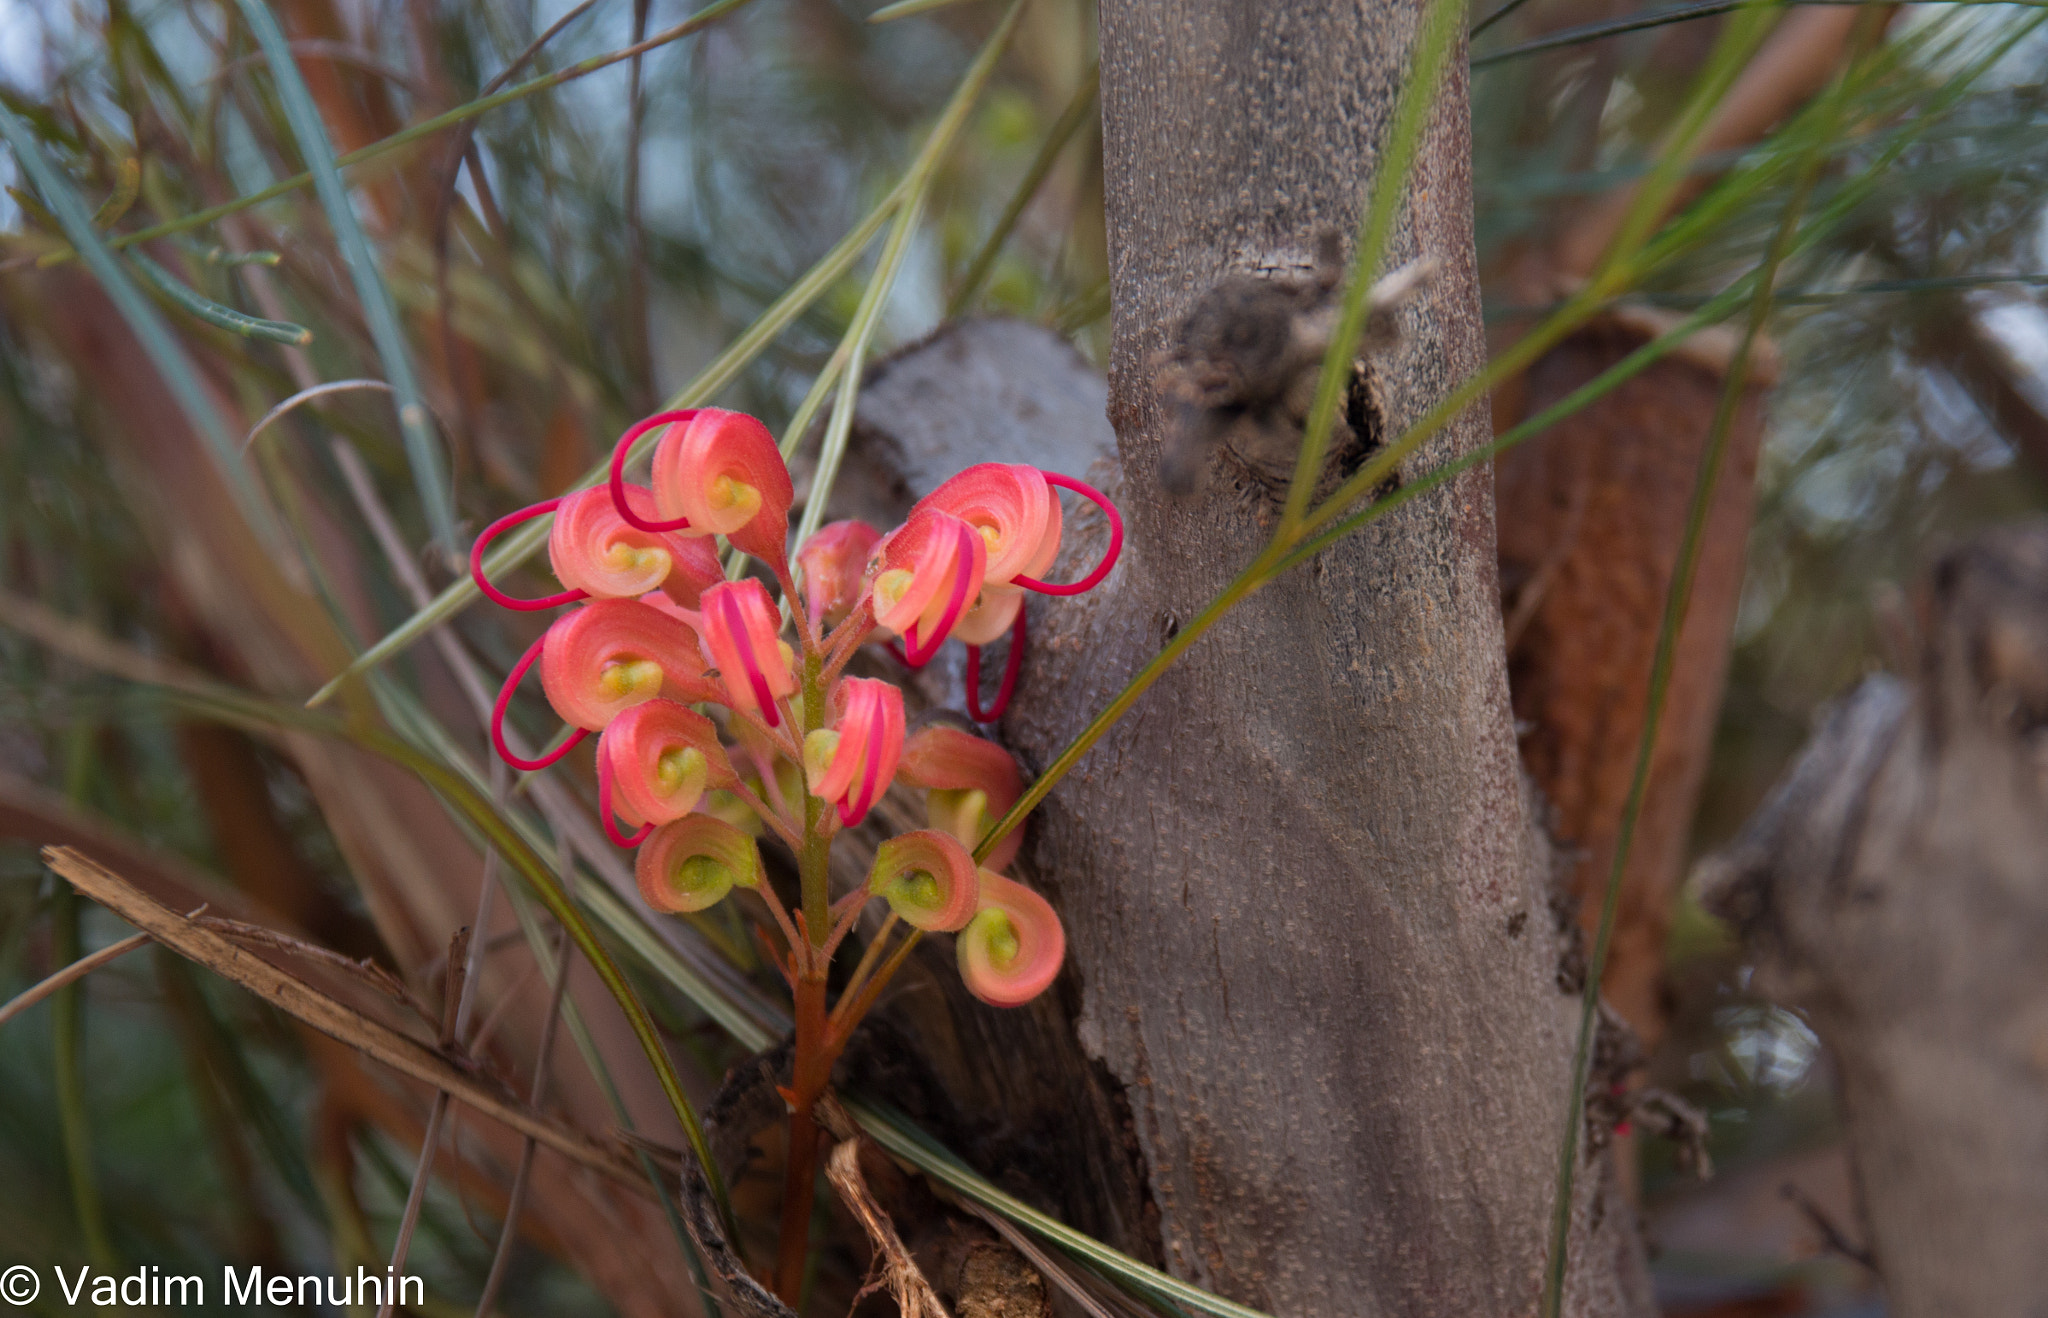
<point>1591,516</point>
<point>301,1001</point>
<point>893,1268</point>
<point>1894,888</point>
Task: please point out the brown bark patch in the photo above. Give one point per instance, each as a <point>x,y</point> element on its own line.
<point>1591,516</point>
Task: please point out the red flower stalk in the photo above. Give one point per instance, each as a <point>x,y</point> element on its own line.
<point>851,762</point>
<point>593,549</point>
<point>693,863</point>
<point>969,784</point>
<point>722,471</point>
<point>1109,555</point>
<point>610,655</point>
<point>499,597</point>
<point>740,627</point>
<point>928,879</point>
<point>834,563</point>
<point>1012,948</point>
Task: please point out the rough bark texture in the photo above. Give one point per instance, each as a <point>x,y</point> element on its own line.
<point>1895,889</point>
<point>1591,516</point>
<point>1306,909</point>
<point>1010,1089</point>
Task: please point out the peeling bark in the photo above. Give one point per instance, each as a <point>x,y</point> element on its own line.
<point>1591,516</point>
<point>1894,888</point>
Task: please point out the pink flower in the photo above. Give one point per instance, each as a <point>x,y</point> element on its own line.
<point>970,784</point>
<point>851,762</point>
<point>741,626</point>
<point>691,864</point>
<point>928,879</point>
<point>995,614</point>
<point>593,549</point>
<point>834,563</point>
<point>932,569</point>
<point>722,471</point>
<point>662,757</point>
<point>1014,511</point>
<point>1012,948</point>
<point>610,655</point>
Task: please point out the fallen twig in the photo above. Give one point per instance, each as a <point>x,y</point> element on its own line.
<point>305,1003</point>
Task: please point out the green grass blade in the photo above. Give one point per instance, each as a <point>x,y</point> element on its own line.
<point>161,346</point>
<point>1435,34</point>
<point>905,8</point>
<point>425,128</point>
<point>917,187</point>
<point>213,313</point>
<point>899,1137</point>
<point>1677,600</point>
<point>1049,152</point>
<point>422,447</point>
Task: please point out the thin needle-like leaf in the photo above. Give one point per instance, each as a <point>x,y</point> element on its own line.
<point>158,343</point>
<point>1677,601</point>
<point>306,396</point>
<point>422,448</point>
<point>918,183</point>
<point>72,973</point>
<point>905,8</point>
<point>899,1137</point>
<point>1433,40</point>
<point>213,313</point>
<point>1049,151</point>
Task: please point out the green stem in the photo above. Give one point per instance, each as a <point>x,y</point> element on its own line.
<point>1439,31</point>
<point>1676,602</point>
<point>917,186</point>
<point>1049,152</point>
<point>67,1028</point>
<point>1247,581</point>
<point>213,313</point>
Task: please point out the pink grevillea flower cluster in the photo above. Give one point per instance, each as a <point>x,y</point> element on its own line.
<point>724,715</point>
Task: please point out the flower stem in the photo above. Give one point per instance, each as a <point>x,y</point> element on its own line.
<point>813,1066</point>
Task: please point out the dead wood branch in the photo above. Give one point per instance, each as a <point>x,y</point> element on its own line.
<point>1894,888</point>
<point>301,1001</point>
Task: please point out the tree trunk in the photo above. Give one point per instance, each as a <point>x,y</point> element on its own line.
<point>1894,888</point>
<point>1309,936</point>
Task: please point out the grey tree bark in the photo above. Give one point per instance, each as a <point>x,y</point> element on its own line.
<point>1894,888</point>
<point>1312,963</point>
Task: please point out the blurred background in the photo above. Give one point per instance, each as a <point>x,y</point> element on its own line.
<point>598,247</point>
